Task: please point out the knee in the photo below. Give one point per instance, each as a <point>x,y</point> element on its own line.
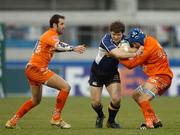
<point>67,87</point>
<point>139,97</point>
<point>116,100</point>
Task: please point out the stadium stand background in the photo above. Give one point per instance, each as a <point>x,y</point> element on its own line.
<point>86,22</point>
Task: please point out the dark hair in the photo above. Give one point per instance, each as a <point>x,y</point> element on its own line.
<point>55,19</point>
<point>117,27</point>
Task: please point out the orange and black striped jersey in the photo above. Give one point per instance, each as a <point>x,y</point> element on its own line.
<point>44,49</point>
<point>154,60</point>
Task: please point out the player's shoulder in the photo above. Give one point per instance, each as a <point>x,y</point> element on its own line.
<point>45,34</point>
<point>151,39</point>
<point>106,36</point>
<point>106,39</point>
<point>151,42</point>
<point>152,46</point>
<point>49,34</point>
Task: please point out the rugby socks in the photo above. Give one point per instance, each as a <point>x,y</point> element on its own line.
<point>60,102</point>
<point>148,112</point>
<point>99,110</point>
<point>27,106</point>
<point>112,109</point>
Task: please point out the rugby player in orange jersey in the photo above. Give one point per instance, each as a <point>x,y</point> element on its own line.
<point>38,74</point>
<point>155,65</point>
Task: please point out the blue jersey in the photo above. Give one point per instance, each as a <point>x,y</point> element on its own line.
<point>106,63</point>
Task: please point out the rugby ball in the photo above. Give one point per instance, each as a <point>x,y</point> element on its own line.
<point>124,44</point>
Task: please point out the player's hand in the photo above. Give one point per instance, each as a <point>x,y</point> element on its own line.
<point>79,49</point>
<point>140,51</point>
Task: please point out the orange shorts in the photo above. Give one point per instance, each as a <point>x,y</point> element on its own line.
<point>37,76</point>
<point>161,82</point>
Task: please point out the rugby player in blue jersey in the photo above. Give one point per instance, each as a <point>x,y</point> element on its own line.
<point>104,72</point>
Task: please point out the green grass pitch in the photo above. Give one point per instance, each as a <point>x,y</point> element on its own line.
<point>79,114</point>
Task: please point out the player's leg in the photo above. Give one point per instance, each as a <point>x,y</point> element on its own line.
<point>27,106</point>
<point>114,106</point>
<point>155,85</point>
<point>143,95</point>
<point>96,82</point>
<point>96,100</point>
<point>96,105</point>
<point>60,84</point>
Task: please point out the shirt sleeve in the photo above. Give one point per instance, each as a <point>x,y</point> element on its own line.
<point>136,61</point>
<point>108,43</point>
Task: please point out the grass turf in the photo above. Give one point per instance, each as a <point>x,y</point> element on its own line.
<point>79,114</point>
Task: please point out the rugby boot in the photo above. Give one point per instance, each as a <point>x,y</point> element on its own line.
<point>12,123</point>
<point>99,122</point>
<point>112,124</point>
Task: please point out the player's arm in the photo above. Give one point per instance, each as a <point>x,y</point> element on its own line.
<point>114,51</point>
<point>64,47</point>
<point>132,49</point>
<point>124,53</point>
<point>139,60</point>
<point>120,53</point>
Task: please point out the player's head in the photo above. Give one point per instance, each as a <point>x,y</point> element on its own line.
<point>117,29</point>
<point>57,22</point>
<point>135,35</point>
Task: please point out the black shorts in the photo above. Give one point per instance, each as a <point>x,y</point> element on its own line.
<point>98,78</point>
